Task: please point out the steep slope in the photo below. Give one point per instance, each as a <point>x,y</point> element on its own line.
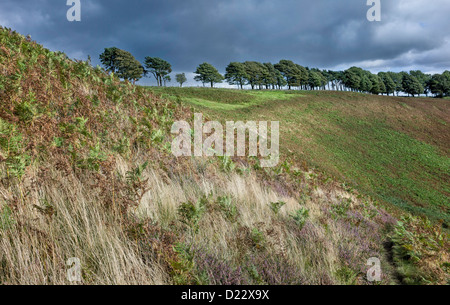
<point>86,172</point>
<point>395,149</point>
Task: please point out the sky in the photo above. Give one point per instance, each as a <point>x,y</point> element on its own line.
<point>327,34</point>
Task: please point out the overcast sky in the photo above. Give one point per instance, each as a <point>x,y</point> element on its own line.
<point>332,34</point>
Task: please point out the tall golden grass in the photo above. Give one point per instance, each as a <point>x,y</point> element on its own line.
<point>63,217</point>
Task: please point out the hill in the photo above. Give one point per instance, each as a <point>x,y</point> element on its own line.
<point>394,149</point>
<point>86,173</point>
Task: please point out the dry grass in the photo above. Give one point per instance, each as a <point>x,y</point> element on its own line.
<point>314,249</point>
<point>64,219</point>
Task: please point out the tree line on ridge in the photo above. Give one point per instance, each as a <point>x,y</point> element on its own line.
<point>285,74</point>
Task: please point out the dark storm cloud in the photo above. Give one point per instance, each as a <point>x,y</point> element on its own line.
<point>322,33</point>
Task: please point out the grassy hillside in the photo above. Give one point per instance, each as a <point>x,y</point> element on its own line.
<point>86,172</point>
<point>394,149</point>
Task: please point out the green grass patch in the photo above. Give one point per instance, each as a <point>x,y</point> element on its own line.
<point>391,165</point>
<point>224,99</point>
<point>361,139</point>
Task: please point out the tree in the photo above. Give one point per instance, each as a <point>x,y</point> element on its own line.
<point>329,78</point>
<point>377,84</point>
<point>411,85</point>
<point>366,84</point>
<point>158,67</point>
<point>109,59</point>
<point>353,77</point>
<point>272,76</point>
<point>295,75</point>
<point>256,73</point>
<point>422,78</point>
<point>281,81</point>
<point>181,79</point>
<point>337,79</point>
<point>207,73</point>
<point>167,79</point>
<point>435,85</point>
<point>302,76</point>
<point>122,63</point>
<point>389,84</point>
<point>439,84</point>
<point>315,79</point>
<point>320,79</point>
<point>382,85</point>
<point>397,78</point>
<point>236,74</point>
<point>287,69</point>
<point>446,86</point>
<point>129,67</point>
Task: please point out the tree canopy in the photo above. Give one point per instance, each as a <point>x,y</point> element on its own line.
<point>122,63</point>
<point>284,73</point>
<point>181,79</point>
<point>208,74</point>
<point>109,59</point>
<point>236,74</point>
<point>411,84</point>
<point>159,68</point>
<point>389,84</point>
<point>439,84</point>
<point>294,74</point>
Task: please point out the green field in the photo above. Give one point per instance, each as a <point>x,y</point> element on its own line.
<point>394,149</point>
<point>224,99</point>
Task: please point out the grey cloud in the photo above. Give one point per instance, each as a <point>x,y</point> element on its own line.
<point>321,33</point>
